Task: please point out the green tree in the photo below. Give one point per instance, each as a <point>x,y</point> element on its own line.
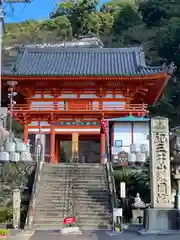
<point>84,17</point>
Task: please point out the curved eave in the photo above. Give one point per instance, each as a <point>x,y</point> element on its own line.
<point>155,76</point>
<point>160,88</point>
<point>154,91</point>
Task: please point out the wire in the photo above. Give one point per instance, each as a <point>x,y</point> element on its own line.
<point>23,8</point>
<point>12,9</point>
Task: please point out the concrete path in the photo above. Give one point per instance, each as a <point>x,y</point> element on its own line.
<point>99,235</point>
<point>89,235</point>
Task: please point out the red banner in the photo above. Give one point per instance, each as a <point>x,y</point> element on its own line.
<point>105,125</point>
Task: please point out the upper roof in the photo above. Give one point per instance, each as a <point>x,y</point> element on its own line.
<point>58,61</point>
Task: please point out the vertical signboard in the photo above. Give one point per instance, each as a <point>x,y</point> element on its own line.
<point>16,208</point>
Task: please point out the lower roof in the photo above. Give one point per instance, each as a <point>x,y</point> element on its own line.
<point>130,118</point>
<point>49,61</point>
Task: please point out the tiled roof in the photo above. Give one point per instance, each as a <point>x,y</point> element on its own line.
<point>50,61</point>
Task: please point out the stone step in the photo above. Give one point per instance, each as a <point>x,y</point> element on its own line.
<point>84,226</point>
<point>62,191</point>
<point>81,205</point>
<point>87,227</point>
<point>78,192</point>
<point>84,218</point>
<point>83,180</point>
<point>80,165</point>
<point>79,214</point>
<point>47,226</point>
<point>79,208</point>
<point>75,171</point>
<point>84,185</point>
<point>77,200</point>
<point>95,188</point>
<point>74,174</point>
<point>81,189</point>
<point>70,192</point>
<point>82,201</point>
<point>78,183</point>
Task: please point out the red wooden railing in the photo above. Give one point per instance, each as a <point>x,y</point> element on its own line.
<point>81,108</point>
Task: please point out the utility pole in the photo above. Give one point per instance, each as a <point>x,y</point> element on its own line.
<point>3,111</point>
<point>2,32</point>
<point>1,35</point>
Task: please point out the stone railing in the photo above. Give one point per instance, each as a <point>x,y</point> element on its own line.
<point>35,191</point>
<point>112,186</point>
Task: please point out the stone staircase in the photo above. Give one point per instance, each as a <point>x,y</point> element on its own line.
<point>53,203</point>
<point>93,206</point>
<point>90,197</point>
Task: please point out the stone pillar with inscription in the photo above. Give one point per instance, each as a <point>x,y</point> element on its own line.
<point>160,179</point>
<point>161,217</point>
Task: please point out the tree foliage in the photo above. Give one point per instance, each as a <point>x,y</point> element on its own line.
<point>153,23</point>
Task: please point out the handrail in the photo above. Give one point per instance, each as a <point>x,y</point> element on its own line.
<point>35,188</point>
<point>114,186</point>
<point>110,184</point>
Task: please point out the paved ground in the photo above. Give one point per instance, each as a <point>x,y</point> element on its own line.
<point>99,235</point>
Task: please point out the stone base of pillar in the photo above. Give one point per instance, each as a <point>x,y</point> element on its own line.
<point>161,221</point>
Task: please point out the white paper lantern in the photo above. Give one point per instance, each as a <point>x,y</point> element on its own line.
<point>132,158</point>
<point>4,156</point>
<point>10,146</point>
<point>144,148</point>
<point>20,146</point>
<point>140,157</point>
<point>132,148</point>
<point>26,157</point>
<point>14,157</point>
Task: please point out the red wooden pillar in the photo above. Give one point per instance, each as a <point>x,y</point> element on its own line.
<point>52,146</point>
<point>103,147</point>
<point>25,134</point>
<point>57,150</point>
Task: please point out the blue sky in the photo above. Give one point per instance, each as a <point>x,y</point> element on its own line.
<point>37,10</point>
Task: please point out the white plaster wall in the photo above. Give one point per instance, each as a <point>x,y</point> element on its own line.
<point>123,131</point>
<point>141,132</point>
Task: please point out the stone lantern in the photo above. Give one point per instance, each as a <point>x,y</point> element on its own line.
<point>175,162</point>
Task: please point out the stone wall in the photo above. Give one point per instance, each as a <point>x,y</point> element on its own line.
<point>15,175</point>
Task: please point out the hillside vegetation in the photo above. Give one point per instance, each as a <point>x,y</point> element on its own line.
<point>153,23</point>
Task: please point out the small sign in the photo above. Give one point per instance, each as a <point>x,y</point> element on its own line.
<point>69,220</point>
<point>123,158</point>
